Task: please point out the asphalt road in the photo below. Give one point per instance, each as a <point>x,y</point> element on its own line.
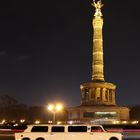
<point>11,137</point>
<point>7,138</point>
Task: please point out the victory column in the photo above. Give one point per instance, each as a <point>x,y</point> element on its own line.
<point>98,92</point>
<point>98,96</point>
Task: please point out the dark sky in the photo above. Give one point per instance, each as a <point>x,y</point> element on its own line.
<point>46,49</point>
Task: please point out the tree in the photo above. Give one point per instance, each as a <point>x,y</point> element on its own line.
<point>7,101</point>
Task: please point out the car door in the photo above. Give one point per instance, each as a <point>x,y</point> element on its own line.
<point>39,131</point>
<point>77,133</point>
<point>57,133</point>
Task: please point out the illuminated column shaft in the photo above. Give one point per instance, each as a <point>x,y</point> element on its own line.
<point>97,64</point>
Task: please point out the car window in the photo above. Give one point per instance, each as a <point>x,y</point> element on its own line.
<point>39,129</point>
<point>57,129</point>
<point>96,129</point>
<point>77,129</point>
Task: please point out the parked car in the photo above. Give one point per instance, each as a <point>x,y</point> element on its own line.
<point>66,132</point>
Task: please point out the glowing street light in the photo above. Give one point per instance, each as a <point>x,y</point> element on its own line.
<point>58,107</point>
<point>55,108</point>
<point>37,122</point>
<point>50,107</point>
<point>3,121</point>
<point>22,121</point>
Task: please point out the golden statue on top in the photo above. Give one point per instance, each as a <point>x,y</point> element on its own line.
<point>98,5</point>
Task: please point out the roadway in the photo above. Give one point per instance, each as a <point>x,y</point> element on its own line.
<point>7,137</point>
<point>11,137</point>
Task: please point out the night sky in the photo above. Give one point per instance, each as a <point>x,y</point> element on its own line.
<point>46,49</point>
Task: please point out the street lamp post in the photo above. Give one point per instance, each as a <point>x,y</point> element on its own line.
<point>55,108</point>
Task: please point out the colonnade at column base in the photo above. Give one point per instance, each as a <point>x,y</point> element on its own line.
<point>98,93</point>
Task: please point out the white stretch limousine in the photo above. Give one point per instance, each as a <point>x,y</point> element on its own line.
<point>66,132</point>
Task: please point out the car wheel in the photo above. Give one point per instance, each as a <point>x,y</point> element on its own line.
<point>113,138</point>
<point>25,138</point>
<point>40,139</point>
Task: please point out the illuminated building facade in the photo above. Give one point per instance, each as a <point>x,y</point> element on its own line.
<point>98,96</point>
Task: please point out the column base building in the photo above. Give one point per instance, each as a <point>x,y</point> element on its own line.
<point>98,105</point>
<point>98,114</point>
